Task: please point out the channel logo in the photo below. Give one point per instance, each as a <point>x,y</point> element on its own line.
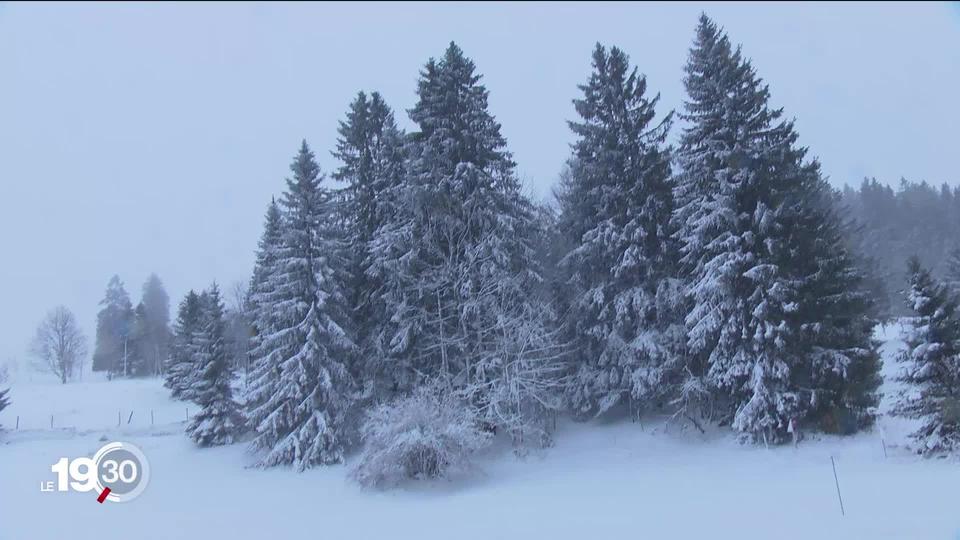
<point>118,472</point>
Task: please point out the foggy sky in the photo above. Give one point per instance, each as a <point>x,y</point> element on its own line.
<point>150,137</point>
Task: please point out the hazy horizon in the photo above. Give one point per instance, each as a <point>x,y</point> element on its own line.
<point>141,138</point>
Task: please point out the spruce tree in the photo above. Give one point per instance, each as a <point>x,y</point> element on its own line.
<point>180,369</point>
<point>931,364</point>
<point>139,343</point>
<point>4,399</point>
<point>619,205</point>
<point>836,313</point>
<point>262,304</point>
<point>738,168</point>
<point>114,327</point>
<point>953,268</point>
<point>456,259</point>
<point>268,249</point>
<point>301,421</point>
<point>370,149</point>
<point>154,327</point>
<point>219,420</point>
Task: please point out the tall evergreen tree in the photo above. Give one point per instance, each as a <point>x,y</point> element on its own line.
<point>836,313</point>
<point>153,335</point>
<point>4,399</point>
<point>456,259</point>
<point>219,420</point>
<point>301,421</point>
<point>932,364</point>
<point>370,149</point>
<point>268,250</point>
<point>139,343</point>
<point>739,167</point>
<point>114,328</point>
<point>264,312</point>
<point>953,268</point>
<point>619,205</point>
<point>180,369</point>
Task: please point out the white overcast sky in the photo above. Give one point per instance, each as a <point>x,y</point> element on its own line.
<point>150,137</point>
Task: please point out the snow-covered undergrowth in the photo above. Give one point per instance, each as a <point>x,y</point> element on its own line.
<point>430,434</point>
<point>600,480</point>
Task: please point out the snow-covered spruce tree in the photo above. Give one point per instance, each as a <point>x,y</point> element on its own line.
<point>370,149</point>
<point>931,364</point>
<point>268,249</point>
<point>838,376</point>
<point>551,244</point>
<point>953,268</point>
<point>150,332</point>
<point>185,363</point>
<point>180,362</point>
<point>261,304</point>
<point>619,202</point>
<point>153,327</point>
<point>301,420</point>
<point>219,420</point>
<point>4,399</point>
<point>138,361</point>
<point>456,259</point>
<point>114,325</point>
<point>738,165</point>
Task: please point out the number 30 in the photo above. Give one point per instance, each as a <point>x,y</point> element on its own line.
<point>125,471</point>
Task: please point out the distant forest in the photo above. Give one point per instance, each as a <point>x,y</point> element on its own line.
<point>891,225</point>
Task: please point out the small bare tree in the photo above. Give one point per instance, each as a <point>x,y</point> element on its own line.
<point>239,328</point>
<point>59,346</point>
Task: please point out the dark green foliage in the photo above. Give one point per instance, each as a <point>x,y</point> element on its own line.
<point>617,204</point>
<point>219,420</point>
<point>781,318</point>
<point>931,364</point>
<point>370,148</point>
<point>115,325</point>
<point>181,367</point>
<point>301,389</point>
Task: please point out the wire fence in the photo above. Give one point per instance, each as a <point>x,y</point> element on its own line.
<point>120,418</point>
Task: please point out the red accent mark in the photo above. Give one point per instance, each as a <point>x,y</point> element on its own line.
<point>103,496</point>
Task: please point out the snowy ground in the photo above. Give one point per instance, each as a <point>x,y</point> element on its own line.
<point>599,481</point>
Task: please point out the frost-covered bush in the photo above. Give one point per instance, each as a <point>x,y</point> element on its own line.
<point>429,434</point>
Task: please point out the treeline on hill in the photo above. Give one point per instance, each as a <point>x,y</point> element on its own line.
<point>425,304</point>
<point>917,219</point>
<point>138,341</point>
<point>132,341</point>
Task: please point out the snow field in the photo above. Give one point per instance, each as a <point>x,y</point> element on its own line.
<point>600,480</point>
